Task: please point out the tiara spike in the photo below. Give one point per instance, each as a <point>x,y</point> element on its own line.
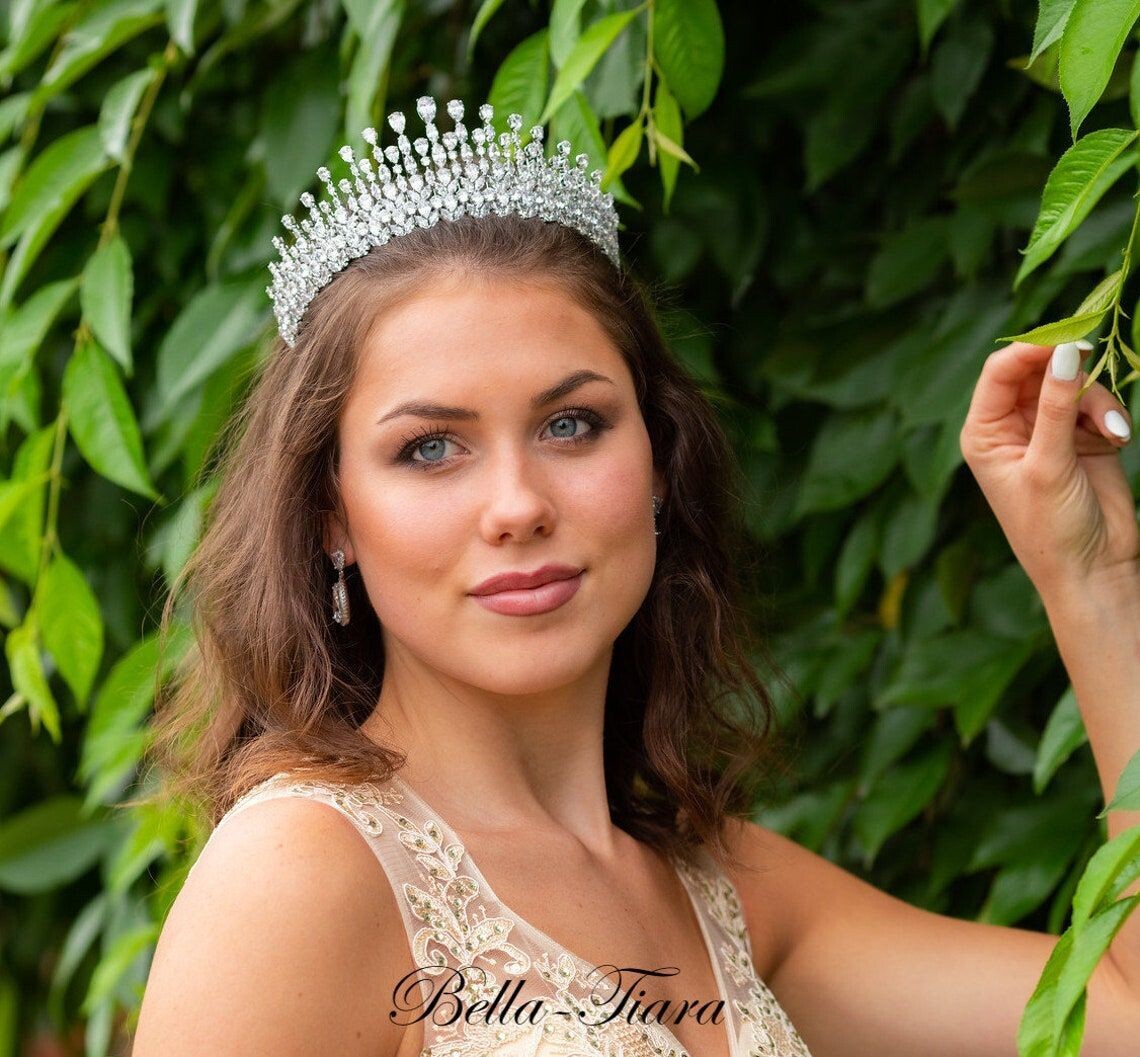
<point>417,183</point>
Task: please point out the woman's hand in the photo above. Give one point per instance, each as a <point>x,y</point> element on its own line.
<point>1048,465</point>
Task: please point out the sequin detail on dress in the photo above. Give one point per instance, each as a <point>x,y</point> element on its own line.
<point>453,920</point>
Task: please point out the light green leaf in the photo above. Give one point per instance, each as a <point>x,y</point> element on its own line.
<point>667,118</point>
<point>98,33</point>
<point>484,15</point>
<point>623,151</point>
<point>20,528</point>
<point>1090,45</point>
<point>1051,18</point>
<point>1127,795</point>
<point>1109,872</point>
<point>688,44</point>
<point>106,295</point>
<point>49,844</point>
<point>520,83</point>
<point>1037,1029</point>
<point>1064,733</point>
<point>565,28</point>
<point>1089,945</point>
<point>217,322</point>
<point>72,625</point>
<point>180,22</point>
<point>39,34</point>
<point>115,964</point>
<point>102,420</point>
<point>931,14</point>
<point>1082,175</point>
<point>25,667</point>
<point>118,110</point>
<point>584,57</point>
<point>1090,312</point>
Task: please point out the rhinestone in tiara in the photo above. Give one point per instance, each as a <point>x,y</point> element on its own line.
<point>449,180</point>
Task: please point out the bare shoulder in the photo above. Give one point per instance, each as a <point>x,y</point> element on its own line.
<point>285,939</point>
<point>780,884</point>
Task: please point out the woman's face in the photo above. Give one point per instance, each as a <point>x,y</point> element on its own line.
<point>437,504</point>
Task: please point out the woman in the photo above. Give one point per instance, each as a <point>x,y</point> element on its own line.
<point>527,668</point>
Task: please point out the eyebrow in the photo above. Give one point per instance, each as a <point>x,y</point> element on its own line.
<point>547,396</point>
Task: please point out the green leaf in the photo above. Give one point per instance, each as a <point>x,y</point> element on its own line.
<point>49,844</point>
<point>520,83</point>
<point>667,118</point>
<point>578,124</point>
<point>118,110</point>
<point>25,668</point>
<point>1127,795</point>
<point>23,330</point>
<point>584,57</point>
<point>486,11</point>
<point>1037,1029</point>
<point>20,530</point>
<point>37,36</point>
<point>565,28</point>
<point>180,22</point>
<point>688,45</point>
<point>931,14</point>
<point>301,107</point>
<point>899,796</point>
<point>1084,320</point>
<point>124,952</point>
<point>1051,18</point>
<point>623,151</point>
<point>1082,175</point>
<point>1090,45</point>
<point>98,33</point>
<point>102,420</point>
<point>376,23</point>
<point>57,176</point>
<point>1109,872</point>
<point>72,625</point>
<point>907,262</point>
<point>1064,733</point>
<point>1089,945</point>
<point>217,323</point>
<point>106,294</point>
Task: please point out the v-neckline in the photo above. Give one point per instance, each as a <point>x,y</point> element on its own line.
<point>558,949</point>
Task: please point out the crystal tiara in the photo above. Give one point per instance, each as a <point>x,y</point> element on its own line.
<point>449,180</point>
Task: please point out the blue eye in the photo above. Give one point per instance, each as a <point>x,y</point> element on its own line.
<point>421,438</point>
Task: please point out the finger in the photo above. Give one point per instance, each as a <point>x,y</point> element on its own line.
<point>1053,442</point>
<point>1098,403</point>
<point>998,390</point>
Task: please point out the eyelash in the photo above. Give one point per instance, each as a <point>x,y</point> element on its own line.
<point>597,424</point>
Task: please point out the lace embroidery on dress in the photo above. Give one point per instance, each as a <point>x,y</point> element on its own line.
<point>454,921</point>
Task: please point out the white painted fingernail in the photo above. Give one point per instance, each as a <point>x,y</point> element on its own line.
<point>1084,345</point>
<point>1066,361</point>
<point>1117,424</point>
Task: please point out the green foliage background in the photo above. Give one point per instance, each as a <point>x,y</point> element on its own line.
<point>838,268</point>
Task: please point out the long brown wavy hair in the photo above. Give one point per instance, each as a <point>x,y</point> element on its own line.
<point>270,683</point>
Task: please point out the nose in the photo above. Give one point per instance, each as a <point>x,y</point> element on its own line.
<point>519,498</point>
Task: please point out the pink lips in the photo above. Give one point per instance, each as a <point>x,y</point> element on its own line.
<point>529,601</point>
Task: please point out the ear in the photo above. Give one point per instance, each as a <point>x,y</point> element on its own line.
<point>334,536</point>
<point>659,487</point>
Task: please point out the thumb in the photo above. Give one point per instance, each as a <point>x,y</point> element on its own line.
<point>1053,442</point>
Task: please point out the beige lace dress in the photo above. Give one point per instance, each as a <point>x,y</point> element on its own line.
<point>476,947</point>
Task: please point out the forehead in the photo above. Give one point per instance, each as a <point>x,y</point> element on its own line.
<point>495,332</point>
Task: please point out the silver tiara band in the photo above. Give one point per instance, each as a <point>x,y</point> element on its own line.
<point>451,178</point>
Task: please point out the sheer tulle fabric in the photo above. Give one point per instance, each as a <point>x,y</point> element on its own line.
<point>454,922</point>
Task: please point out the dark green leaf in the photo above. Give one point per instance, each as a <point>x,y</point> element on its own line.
<point>688,44</point>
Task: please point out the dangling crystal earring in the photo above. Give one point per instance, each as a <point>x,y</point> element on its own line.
<point>339,591</point>
<point>656,511</point>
